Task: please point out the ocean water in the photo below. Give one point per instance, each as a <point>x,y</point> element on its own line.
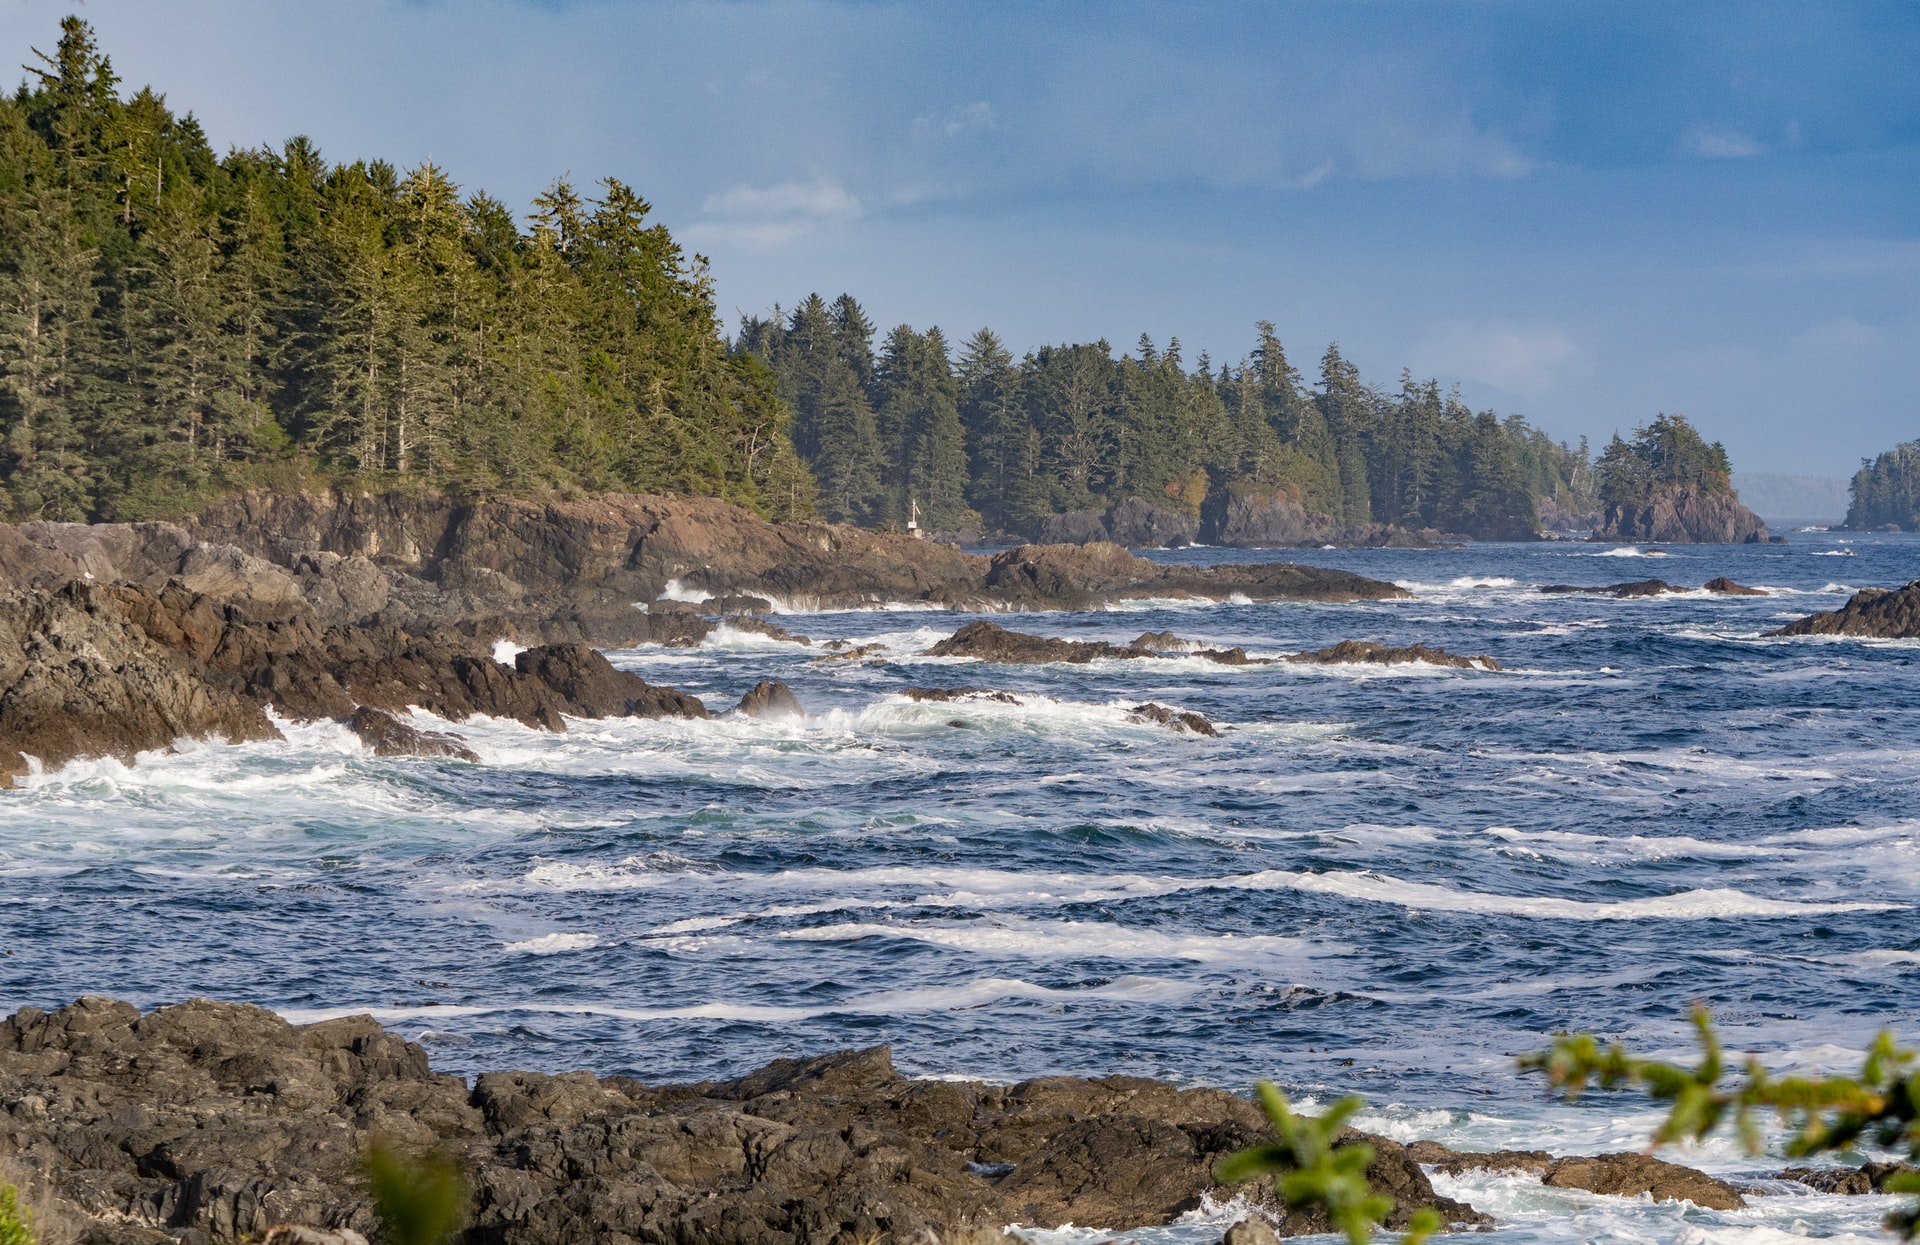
<point>1384,881</point>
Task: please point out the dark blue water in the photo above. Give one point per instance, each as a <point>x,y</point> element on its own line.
<point>1386,881</point>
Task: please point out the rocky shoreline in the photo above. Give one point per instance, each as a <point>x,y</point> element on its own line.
<point>208,1123</point>
<point>119,638</point>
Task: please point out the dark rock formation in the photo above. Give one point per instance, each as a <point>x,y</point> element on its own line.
<point>1883,613</point>
<point>1631,1175</point>
<point>94,670</point>
<point>1370,653</point>
<point>986,641</point>
<point>214,1121</point>
<point>948,695</point>
<point>1249,519</point>
<point>388,736</point>
<point>1132,524</point>
<point>1453,1162</point>
<point>1638,588</point>
<point>1853,1181</point>
<point>760,626</point>
<point>1179,720</point>
<point>1727,588</point>
<point>1676,515</point>
<point>770,700</point>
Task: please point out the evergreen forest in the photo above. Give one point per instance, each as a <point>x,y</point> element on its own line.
<point>1665,454</point>
<point>176,325</point>
<point>975,439</point>
<point>1886,490</point>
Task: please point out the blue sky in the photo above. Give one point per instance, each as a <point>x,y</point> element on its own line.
<point>1586,213</point>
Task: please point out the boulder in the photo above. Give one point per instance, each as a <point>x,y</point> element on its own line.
<point>1853,1181</point>
<point>1881,613</point>
<point>1726,587</point>
<point>770,700</point>
<point>1634,1175</point>
<point>1368,652</point>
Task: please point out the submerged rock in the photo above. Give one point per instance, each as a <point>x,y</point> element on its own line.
<point>1371,653</point>
<point>216,1121</point>
<point>388,736</point>
<point>760,626</point>
<point>1881,613</point>
<point>947,695</point>
<point>1726,587</point>
<point>1179,720</point>
<point>1636,588</point>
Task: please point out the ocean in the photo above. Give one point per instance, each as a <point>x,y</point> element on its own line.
<point>1387,881</point>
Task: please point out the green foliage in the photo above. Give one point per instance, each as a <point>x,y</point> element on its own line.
<point>16,1226</point>
<point>1886,490</point>
<point>1308,1170</point>
<point>1072,427</point>
<point>420,1200</point>
<point>1665,453</point>
<point>1881,1105</point>
<point>173,325</point>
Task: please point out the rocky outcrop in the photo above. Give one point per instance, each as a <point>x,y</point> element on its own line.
<point>1252,519</point>
<point>1637,588</point>
<point>1178,719</point>
<point>1131,524</point>
<point>1637,1175</point>
<point>985,641</point>
<point>1727,588</point>
<point>949,695</point>
<point>388,736</point>
<point>92,670</point>
<point>1368,652</point>
<point>1850,1181</point>
<point>215,1121</point>
<point>772,700</point>
<point>1675,515</point>
<point>1881,613</point>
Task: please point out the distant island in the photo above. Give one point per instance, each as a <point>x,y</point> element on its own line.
<point>1886,491</point>
<point>181,327</point>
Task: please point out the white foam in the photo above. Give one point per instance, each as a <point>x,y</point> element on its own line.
<point>677,591</point>
<point>1049,940</point>
<point>1628,551</point>
<point>549,944</point>
<point>504,651</point>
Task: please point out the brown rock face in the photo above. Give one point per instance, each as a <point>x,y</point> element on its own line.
<point>1853,1181</point>
<point>1683,516</point>
<point>770,700</point>
<point>1631,1175</point>
<point>986,641</point>
<point>225,1120</point>
<point>1370,653</point>
<point>1883,613</point>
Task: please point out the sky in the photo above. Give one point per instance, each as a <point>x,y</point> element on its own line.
<point>1588,214</point>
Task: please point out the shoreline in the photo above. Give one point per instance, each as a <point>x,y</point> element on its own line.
<point>208,1122</point>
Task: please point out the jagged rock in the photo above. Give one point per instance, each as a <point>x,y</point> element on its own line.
<point>1371,653</point>
<point>216,1121</point>
<point>1631,1175</point>
<point>1178,719</point>
<point>590,687</point>
<point>1638,588</point>
<point>1853,1181</point>
<point>1726,587</point>
<point>840,650</point>
<point>1433,1154</point>
<point>947,695</point>
<point>1882,613</point>
<point>388,736</point>
<point>300,1234</point>
<point>1679,515</point>
<point>770,700</point>
<point>987,641</point>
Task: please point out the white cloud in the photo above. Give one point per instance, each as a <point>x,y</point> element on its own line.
<point>1526,361</point>
<point>1722,144</point>
<point>958,120</point>
<point>823,198</point>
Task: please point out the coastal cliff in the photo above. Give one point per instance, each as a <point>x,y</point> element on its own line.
<point>1675,515</point>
